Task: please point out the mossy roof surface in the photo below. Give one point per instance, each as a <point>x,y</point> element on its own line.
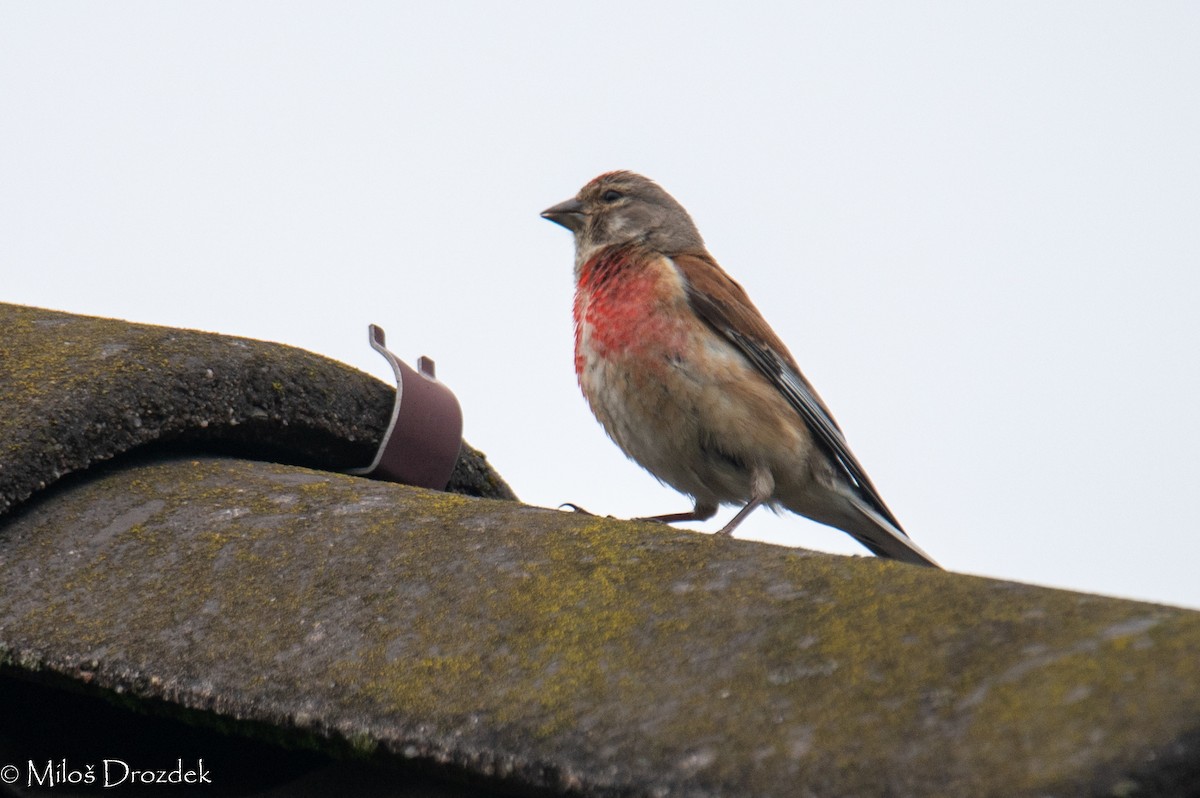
<point>78,390</point>
<point>592,656</point>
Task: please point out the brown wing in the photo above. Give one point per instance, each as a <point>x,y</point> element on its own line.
<point>724,305</point>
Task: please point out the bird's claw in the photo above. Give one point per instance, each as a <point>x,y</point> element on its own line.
<point>575,508</point>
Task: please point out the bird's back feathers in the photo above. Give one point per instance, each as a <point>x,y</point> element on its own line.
<point>724,305</point>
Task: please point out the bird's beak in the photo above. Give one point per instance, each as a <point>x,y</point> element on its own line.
<point>569,214</point>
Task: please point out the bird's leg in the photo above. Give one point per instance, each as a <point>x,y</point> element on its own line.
<point>762,485</point>
<point>750,507</point>
<point>701,512</point>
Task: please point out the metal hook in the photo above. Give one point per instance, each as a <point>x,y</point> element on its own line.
<point>422,441</point>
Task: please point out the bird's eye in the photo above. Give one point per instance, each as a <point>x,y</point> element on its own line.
<point>611,196</point>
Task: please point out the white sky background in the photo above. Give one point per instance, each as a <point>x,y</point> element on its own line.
<point>977,226</point>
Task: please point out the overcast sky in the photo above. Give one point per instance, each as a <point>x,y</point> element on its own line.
<point>976,225</point>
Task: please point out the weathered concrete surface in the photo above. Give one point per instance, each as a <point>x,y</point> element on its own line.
<point>588,655</point>
<point>78,390</point>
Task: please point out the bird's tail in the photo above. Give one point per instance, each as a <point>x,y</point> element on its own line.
<point>862,520</point>
<point>881,535</point>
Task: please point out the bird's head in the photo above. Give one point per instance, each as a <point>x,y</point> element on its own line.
<point>624,208</point>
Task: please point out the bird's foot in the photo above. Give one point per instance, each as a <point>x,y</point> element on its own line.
<point>575,508</point>
<point>701,512</point>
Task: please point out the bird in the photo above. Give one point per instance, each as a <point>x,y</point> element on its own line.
<point>689,380</point>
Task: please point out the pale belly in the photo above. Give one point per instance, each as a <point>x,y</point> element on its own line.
<point>691,410</point>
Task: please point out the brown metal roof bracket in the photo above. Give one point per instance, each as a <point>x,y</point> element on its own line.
<point>422,441</point>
